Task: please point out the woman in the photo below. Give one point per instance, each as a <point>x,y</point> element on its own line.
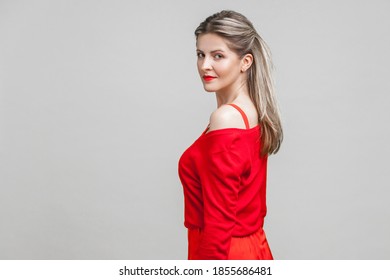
<point>223,172</point>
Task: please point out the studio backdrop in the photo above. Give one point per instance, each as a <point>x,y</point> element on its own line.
<point>98,100</point>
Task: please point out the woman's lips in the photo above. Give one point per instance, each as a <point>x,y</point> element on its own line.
<point>208,78</point>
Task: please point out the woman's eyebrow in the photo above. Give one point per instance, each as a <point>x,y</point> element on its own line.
<point>218,50</point>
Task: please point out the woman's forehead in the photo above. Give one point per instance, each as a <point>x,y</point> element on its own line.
<point>211,42</point>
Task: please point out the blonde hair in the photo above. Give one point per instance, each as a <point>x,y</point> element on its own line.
<point>243,39</point>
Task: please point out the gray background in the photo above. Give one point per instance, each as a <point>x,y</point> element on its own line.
<point>100,98</point>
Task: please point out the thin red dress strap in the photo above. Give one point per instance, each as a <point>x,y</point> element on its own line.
<point>242,114</point>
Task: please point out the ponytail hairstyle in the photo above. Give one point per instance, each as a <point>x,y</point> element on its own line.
<point>243,39</point>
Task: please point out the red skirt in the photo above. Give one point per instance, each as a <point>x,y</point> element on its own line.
<point>250,247</point>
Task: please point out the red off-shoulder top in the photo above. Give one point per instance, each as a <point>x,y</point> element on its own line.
<point>224,184</point>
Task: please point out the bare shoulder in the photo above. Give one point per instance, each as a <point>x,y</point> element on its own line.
<point>226,116</point>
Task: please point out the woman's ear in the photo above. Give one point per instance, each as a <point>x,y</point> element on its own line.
<point>246,62</point>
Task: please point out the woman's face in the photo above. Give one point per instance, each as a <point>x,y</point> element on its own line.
<point>218,66</point>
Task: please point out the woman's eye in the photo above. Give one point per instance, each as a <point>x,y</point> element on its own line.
<point>200,55</point>
<point>218,56</point>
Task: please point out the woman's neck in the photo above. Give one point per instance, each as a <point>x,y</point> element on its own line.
<point>230,95</point>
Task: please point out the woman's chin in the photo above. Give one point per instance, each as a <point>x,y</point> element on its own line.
<point>209,89</point>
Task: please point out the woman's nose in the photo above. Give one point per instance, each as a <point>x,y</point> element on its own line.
<point>206,64</point>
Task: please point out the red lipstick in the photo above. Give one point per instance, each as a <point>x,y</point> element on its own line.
<point>208,78</point>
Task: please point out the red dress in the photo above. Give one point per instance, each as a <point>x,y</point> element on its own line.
<point>224,184</point>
